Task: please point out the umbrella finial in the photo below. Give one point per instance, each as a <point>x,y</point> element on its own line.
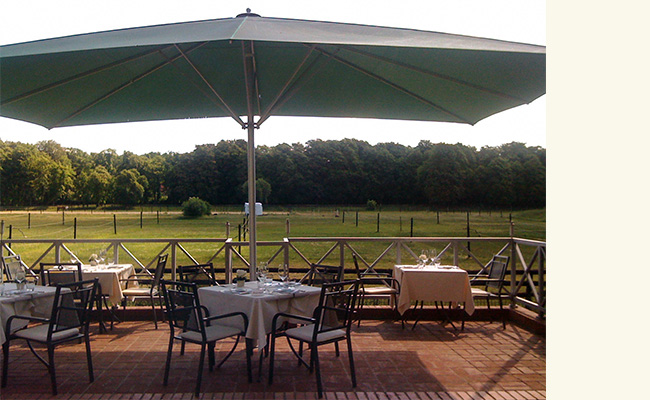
<point>248,13</point>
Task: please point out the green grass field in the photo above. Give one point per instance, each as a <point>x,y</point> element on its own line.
<point>303,222</point>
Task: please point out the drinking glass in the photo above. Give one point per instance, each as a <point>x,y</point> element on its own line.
<point>283,272</point>
<point>20,278</point>
<point>262,271</point>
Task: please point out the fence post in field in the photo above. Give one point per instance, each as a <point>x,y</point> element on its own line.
<point>411,226</point>
<point>140,219</point>
<point>343,218</point>
<point>75,228</point>
<point>468,243</point>
<point>438,217</point>
<point>62,217</point>
<point>157,216</point>
<point>288,227</point>
<point>114,224</point>
<point>378,222</point>
<point>357,220</point>
<point>227,229</point>
<point>29,220</point>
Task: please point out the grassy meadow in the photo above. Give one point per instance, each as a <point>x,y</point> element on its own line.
<point>165,222</point>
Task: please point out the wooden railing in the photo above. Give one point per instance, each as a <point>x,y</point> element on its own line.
<point>527,277</point>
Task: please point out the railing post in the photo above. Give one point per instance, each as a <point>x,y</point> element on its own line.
<point>57,252</point>
<point>228,259</point>
<point>174,248</point>
<point>540,277</point>
<point>398,252</point>
<point>285,247</point>
<point>116,252</point>
<point>513,266</point>
<point>342,257</point>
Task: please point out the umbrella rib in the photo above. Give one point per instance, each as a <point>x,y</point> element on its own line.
<point>435,74</point>
<point>212,89</point>
<point>393,85</point>
<point>116,90</point>
<point>80,76</point>
<point>290,82</point>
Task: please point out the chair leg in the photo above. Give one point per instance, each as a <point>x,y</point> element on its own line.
<point>197,391</point>
<point>271,357</point>
<point>5,362</point>
<point>353,374</point>
<point>316,364</point>
<point>249,353</point>
<point>169,358</point>
<point>503,315</point>
<point>89,358</point>
<point>153,308</point>
<point>211,362</point>
<point>51,369</point>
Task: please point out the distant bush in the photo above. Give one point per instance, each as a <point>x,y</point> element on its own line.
<point>371,205</point>
<point>195,207</point>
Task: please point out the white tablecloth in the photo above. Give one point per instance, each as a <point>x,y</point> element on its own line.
<point>432,283</point>
<point>109,278</point>
<point>37,304</point>
<point>259,309</point>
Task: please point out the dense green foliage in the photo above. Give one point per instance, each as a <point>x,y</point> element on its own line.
<point>319,172</point>
<point>195,207</point>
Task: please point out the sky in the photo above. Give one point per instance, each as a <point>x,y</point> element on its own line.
<point>511,20</point>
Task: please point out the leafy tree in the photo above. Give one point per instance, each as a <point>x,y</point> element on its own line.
<point>129,187</point>
<point>262,190</point>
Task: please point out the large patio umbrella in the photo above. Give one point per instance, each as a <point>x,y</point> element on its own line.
<point>251,68</point>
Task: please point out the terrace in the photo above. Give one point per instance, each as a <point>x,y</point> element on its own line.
<point>432,361</point>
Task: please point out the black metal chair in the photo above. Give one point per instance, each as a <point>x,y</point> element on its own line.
<point>201,274</point>
<point>68,321</point>
<point>190,322</point>
<point>320,274</point>
<point>52,274</point>
<point>375,285</point>
<point>490,285</point>
<point>330,323</point>
<point>146,287</point>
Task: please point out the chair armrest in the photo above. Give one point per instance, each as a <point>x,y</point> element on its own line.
<point>24,318</point>
<point>381,281</point>
<point>292,316</point>
<point>232,314</point>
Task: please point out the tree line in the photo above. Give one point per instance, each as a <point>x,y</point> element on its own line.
<point>333,172</point>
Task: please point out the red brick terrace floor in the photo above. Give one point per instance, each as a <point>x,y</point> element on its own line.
<point>431,362</point>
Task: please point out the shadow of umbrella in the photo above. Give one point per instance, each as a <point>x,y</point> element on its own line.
<point>250,68</point>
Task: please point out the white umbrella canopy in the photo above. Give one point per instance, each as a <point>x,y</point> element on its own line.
<point>250,68</point>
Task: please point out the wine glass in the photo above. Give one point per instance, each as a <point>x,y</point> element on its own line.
<point>283,272</point>
<point>262,271</point>
<point>423,258</point>
<point>20,278</point>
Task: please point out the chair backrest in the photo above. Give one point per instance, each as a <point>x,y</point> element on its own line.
<point>72,305</point>
<point>160,270</point>
<point>201,274</point>
<point>497,274</point>
<point>336,306</point>
<point>182,307</point>
<point>52,274</point>
<point>10,264</point>
<point>320,274</point>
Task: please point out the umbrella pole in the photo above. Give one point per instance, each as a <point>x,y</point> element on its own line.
<point>249,70</point>
<point>252,218</point>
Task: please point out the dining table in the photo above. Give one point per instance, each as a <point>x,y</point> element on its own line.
<point>432,283</point>
<point>259,305</point>
<point>111,278</point>
<point>33,301</point>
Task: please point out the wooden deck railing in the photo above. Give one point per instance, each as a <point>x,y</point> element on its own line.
<point>527,277</point>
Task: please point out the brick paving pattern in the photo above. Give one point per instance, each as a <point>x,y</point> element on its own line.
<point>432,362</point>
